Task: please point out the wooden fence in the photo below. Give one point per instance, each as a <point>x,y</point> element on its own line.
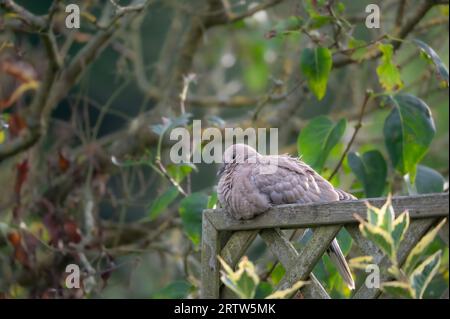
<point>230,238</point>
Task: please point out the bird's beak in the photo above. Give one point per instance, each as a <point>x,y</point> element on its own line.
<point>221,170</point>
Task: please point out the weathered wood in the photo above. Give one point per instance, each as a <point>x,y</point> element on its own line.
<point>286,253</point>
<point>314,215</point>
<point>443,233</point>
<point>367,247</point>
<point>237,245</point>
<point>417,229</point>
<point>232,252</point>
<point>309,255</point>
<point>210,277</point>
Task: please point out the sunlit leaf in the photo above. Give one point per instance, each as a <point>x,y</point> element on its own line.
<point>422,275</point>
<point>416,253</point>
<point>359,49</point>
<point>360,262</point>
<point>286,293</point>
<point>400,227</point>
<point>380,237</point>
<point>212,200</point>
<point>388,72</point>
<point>244,281</point>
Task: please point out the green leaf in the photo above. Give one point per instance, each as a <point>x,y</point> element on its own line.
<point>180,171</point>
<point>400,227</point>
<point>318,138</point>
<point>380,237</point>
<point>422,275</point>
<point>427,181</point>
<point>371,170</point>
<point>212,200</point>
<point>191,208</point>
<point>408,132</point>
<point>388,72</point>
<point>263,290</point>
<point>256,70</point>
<point>441,68</point>
<point>386,216</point>
<point>398,289</point>
<point>359,48</point>
<point>277,274</point>
<point>175,290</point>
<point>315,65</point>
<point>419,249</point>
<point>162,202</point>
<point>244,281</point>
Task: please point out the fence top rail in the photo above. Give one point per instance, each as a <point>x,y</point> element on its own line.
<point>332,213</point>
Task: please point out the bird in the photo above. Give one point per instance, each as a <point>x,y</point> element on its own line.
<point>251,183</point>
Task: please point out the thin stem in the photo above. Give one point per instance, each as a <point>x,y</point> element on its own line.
<point>355,132</point>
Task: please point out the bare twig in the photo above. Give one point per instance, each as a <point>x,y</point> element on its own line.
<point>355,132</point>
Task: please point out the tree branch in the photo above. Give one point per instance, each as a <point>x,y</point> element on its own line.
<point>401,34</point>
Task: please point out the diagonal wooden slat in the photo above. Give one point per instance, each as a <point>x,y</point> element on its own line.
<point>366,246</point>
<point>210,277</point>
<point>417,229</point>
<point>443,233</point>
<point>233,250</point>
<point>237,245</point>
<point>286,253</point>
<point>309,255</point>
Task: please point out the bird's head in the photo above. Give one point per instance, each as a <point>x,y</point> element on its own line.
<point>237,153</point>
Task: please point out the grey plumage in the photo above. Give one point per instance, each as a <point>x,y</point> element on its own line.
<point>251,183</point>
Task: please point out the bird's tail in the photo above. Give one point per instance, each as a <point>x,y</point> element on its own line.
<point>338,259</point>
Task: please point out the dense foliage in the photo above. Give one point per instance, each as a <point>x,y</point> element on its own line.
<point>86,114</point>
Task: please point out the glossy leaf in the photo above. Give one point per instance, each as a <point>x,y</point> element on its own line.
<point>427,181</point>
<point>416,253</point>
<point>315,65</point>
<point>422,275</point>
<point>408,132</point>
<point>400,226</point>
<point>371,170</point>
<point>318,138</point>
<point>441,68</point>
<point>190,210</point>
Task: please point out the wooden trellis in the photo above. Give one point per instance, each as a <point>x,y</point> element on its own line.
<point>229,238</point>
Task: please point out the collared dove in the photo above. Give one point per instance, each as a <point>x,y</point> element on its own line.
<point>251,183</point>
